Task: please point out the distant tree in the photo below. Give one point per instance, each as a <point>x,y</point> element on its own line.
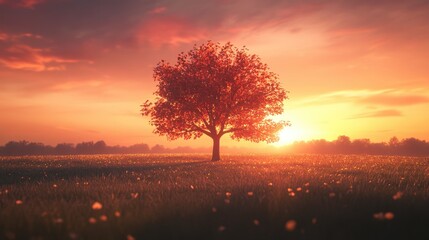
<point>360,145</point>
<point>343,144</point>
<point>139,148</point>
<point>64,148</point>
<point>214,90</point>
<point>158,149</point>
<point>100,147</point>
<point>85,148</point>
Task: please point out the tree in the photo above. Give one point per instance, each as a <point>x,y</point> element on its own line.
<point>215,90</point>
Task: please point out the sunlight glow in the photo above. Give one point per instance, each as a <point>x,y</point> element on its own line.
<point>289,135</point>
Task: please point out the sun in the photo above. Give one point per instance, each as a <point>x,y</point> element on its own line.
<point>288,135</point>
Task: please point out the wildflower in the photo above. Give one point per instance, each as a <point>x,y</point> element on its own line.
<point>389,216</point>
<point>378,216</point>
<point>298,189</point>
<point>228,194</point>
<point>58,220</point>
<point>289,189</point>
<point>92,220</point>
<point>290,225</point>
<point>19,202</point>
<point>332,194</point>
<point>192,187</point>
<point>398,195</point>
<point>97,206</point>
<point>214,209</point>
<point>250,194</point>
<point>134,195</point>
<point>130,237</point>
<point>117,214</point>
<point>292,194</point>
<point>103,218</point>
<point>73,235</point>
<point>55,186</point>
<point>270,184</point>
<point>221,228</point>
<point>256,222</point>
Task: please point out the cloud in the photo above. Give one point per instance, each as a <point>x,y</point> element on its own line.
<point>24,57</point>
<point>169,30</point>
<point>394,99</point>
<point>370,98</point>
<point>5,37</point>
<point>158,10</point>
<point>378,114</point>
<point>22,3</point>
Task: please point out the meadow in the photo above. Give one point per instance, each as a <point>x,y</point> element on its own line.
<point>188,197</point>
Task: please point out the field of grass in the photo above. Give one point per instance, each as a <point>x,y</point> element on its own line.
<point>240,197</point>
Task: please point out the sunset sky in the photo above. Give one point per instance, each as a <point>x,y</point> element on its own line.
<point>78,70</point>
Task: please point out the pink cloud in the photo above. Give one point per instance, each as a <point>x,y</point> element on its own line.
<point>16,37</point>
<point>169,30</point>
<point>158,10</point>
<point>24,57</point>
<point>22,3</point>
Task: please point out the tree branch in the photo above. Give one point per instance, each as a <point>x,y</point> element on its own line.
<point>201,130</point>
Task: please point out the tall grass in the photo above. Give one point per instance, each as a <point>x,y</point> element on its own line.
<point>188,197</point>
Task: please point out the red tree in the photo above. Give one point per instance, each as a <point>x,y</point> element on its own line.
<point>214,90</point>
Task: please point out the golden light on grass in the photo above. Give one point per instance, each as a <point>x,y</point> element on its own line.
<point>290,225</point>
<point>97,206</point>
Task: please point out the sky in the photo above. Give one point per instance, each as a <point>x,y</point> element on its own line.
<point>78,70</point>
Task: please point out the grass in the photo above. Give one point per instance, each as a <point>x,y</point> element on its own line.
<point>188,197</point>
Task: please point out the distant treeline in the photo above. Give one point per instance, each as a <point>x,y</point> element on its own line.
<point>343,145</point>
<point>14,148</point>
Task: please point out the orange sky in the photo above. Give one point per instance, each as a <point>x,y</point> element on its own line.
<point>77,70</point>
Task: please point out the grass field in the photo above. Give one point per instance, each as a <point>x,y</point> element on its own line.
<point>187,197</point>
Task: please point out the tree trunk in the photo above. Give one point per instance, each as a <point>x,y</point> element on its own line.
<point>216,149</point>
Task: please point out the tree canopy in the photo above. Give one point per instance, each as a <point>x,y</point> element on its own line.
<point>214,90</point>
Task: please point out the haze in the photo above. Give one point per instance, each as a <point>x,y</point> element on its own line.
<point>73,71</point>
